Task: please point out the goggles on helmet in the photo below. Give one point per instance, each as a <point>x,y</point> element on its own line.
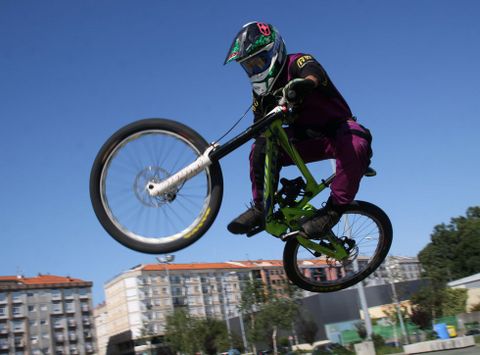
<point>259,62</point>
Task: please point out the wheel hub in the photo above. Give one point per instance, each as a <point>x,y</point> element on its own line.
<point>144,182</point>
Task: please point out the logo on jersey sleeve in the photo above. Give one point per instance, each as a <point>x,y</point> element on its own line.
<point>304,59</point>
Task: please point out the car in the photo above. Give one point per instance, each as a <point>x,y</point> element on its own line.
<point>473,332</point>
<point>329,348</point>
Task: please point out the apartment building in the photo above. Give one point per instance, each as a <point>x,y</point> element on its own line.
<point>138,301</point>
<point>396,269</point>
<point>46,314</point>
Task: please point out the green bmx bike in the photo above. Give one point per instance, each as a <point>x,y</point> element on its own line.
<point>156,187</point>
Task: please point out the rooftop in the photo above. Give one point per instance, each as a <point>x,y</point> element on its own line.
<point>40,281</point>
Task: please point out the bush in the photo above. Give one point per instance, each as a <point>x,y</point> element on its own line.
<point>378,340</point>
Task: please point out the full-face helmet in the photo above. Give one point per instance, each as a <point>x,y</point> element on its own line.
<point>260,49</point>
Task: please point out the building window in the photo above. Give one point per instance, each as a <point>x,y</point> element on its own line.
<point>56,307</point>
<point>69,307</point>
<point>3,311</point>
<point>17,311</point>
<point>18,326</point>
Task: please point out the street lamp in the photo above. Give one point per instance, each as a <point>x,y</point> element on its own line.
<point>392,265</point>
<point>167,259</point>
<point>225,309</point>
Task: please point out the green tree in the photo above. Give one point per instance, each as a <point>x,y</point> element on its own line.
<point>361,330</point>
<point>266,311</point>
<point>308,329</point>
<point>421,318</point>
<point>454,301</point>
<point>454,248</point>
<point>277,313</point>
<point>213,334</point>
<point>187,334</point>
<point>252,298</point>
<point>180,332</point>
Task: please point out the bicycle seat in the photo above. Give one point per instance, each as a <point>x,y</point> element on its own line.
<point>370,172</point>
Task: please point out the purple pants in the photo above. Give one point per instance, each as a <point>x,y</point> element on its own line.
<point>351,150</point>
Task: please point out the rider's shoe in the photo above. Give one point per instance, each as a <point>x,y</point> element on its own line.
<point>323,220</point>
<point>250,220</point>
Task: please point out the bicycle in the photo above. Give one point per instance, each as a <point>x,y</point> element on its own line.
<point>172,179</point>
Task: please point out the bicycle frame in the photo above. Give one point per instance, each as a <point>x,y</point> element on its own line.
<point>277,138</point>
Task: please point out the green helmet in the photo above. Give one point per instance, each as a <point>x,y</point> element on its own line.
<point>260,49</point>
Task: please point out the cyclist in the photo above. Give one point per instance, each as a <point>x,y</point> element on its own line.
<point>324,127</point>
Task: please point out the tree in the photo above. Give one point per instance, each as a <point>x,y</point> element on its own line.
<point>180,332</point>
<point>454,248</point>
<point>276,314</point>
<point>421,318</point>
<point>189,335</point>
<point>214,336</point>
<point>361,330</point>
<point>308,329</point>
<point>267,311</point>
<point>454,301</point>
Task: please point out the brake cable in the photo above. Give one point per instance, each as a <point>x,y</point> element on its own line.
<point>234,125</point>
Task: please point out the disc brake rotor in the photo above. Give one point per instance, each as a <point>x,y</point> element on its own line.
<point>153,174</point>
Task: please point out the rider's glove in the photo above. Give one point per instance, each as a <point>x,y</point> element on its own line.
<point>297,89</point>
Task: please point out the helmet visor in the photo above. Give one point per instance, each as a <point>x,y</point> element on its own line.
<point>258,63</point>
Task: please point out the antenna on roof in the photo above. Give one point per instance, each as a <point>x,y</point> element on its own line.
<point>19,272</point>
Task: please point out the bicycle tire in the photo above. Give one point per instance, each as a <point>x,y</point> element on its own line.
<point>308,273</point>
<point>152,137</point>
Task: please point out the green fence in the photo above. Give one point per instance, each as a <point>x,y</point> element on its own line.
<point>387,333</point>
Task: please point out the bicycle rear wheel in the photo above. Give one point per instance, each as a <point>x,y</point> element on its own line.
<point>366,231</point>
<point>150,151</point>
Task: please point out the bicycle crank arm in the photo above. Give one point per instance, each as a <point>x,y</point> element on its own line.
<point>339,253</point>
<point>157,188</point>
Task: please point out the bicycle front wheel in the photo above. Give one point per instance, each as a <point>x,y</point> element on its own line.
<point>150,151</point>
<point>365,231</point>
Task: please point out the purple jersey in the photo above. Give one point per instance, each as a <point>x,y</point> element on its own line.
<point>323,108</point>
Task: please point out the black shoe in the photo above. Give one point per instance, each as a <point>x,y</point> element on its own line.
<point>250,220</point>
<point>323,220</point>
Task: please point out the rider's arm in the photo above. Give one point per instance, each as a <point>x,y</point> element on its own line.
<point>307,67</point>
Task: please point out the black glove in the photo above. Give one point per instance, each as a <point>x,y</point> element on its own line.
<point>297,89</point>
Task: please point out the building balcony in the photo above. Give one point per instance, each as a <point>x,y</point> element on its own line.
<point>19,343</point>
<point>56,297</point>
<point>59,338</point>
<point>72,323</point>
<point>72,337</point>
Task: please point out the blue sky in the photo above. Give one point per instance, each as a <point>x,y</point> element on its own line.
<point>73,72</point>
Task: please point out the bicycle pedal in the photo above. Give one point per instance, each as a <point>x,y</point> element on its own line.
<point>254,231</point>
